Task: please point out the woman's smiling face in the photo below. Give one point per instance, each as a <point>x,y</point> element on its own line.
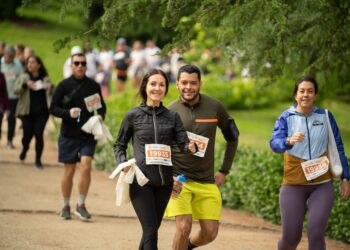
<point>306,95</point>
<point>155,89</point>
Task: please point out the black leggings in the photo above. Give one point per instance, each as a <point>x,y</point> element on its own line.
<point>1,116</point>
<point>11,120</point>
<point>149,204</point>
<point>34,126</point>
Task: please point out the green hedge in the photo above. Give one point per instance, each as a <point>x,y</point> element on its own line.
<point>240,93</point>
<point>254,183</point>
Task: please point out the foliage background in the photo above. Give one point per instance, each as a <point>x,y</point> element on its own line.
<point>280,33</point>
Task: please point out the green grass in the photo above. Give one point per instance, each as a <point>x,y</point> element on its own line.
<point>256,125</point>
<point>39,30</point>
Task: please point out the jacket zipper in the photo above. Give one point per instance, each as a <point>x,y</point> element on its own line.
<point>193,118</point>
<point>308,136</point>
<point>309,143</point>
<point>156,141</point>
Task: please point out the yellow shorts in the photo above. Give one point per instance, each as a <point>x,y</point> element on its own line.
<point>203,201</point>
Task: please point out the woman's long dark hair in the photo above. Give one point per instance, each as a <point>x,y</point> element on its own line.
<point>42,70</point>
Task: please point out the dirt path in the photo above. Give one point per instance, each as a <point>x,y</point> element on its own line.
<point>30,201</point>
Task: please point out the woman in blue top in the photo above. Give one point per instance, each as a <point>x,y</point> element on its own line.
<point>301,133</point>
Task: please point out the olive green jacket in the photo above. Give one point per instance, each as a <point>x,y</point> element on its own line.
<point>21,89</point>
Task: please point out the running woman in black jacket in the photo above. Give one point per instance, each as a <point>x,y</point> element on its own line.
<point>154,130</point>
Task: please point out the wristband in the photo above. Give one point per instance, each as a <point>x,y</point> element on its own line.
<point>225,172</point>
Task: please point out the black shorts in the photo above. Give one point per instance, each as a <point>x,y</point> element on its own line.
<point>71,149</point>
<point>122,78</point>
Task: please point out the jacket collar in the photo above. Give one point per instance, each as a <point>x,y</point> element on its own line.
<point>188,105</point>
<point>293,110</point>
<point>143,106</point>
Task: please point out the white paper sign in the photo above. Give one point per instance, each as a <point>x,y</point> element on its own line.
<point>158,154</point>
<point>39,85</point>
<point>201,141</point>
<point>93,102</point>
<point>315,168</point>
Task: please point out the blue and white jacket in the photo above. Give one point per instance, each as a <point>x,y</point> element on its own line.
<point>315,131</point>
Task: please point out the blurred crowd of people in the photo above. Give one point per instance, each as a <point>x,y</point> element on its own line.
<point>124,62</point>
<point>106,65</point>
<point>26,91</point>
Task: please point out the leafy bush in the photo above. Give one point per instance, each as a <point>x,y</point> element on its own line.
<point>254,183</point>
<point>339,221</point>
<point>242,94</point>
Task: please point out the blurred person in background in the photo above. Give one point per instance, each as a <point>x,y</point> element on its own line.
<point>12,69</point>
<point>103,77</point>
<point>34,89</point>
<point>70,102</point>
<point>91,60</point>
<point>2,50</point>
<point>122,62</point>
<point>152,58</point>
<point>19,48</point>
<point>28,51</point>
<point>4,100</point>
<point>138,66</point>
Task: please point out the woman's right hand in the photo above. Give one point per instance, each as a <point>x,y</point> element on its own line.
<point>295,138</point>
<point>74,112</point>
<point>31,84</point>
<point>126,169</point>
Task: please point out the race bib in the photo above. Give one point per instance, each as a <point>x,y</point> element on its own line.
<point>158,154</point>
<point>201,141</point>
<point>315,168</point>
<point>93,102</point>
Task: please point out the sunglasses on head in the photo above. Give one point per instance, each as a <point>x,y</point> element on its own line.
<point>76,63</point>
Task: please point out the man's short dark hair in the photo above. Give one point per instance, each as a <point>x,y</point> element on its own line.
<point>189,68</point>
<point>77,54</point>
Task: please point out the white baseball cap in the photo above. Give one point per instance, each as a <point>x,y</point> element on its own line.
<point>76,50</point>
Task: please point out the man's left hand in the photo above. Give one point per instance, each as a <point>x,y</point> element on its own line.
<point>219,179</point>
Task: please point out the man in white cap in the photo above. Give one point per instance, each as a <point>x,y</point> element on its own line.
<point>67,71</point>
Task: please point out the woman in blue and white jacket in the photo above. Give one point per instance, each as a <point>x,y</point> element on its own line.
<point>301,133</point>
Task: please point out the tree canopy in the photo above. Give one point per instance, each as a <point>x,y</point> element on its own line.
<point>272,37</point>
